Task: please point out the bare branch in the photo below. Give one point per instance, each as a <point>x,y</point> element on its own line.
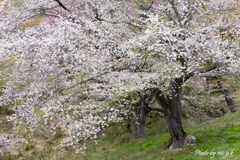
<point>61,5</point>
<point>201,70</point>
<point>170,18</point>
<point>187,100</point>
<point>151,108</point>
<point>176,11</point>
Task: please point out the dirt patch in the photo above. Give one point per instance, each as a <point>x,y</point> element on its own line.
<point>41,144</point>
<point>10,145</point>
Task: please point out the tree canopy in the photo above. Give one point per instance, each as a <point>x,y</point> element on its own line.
<point>80,63</point>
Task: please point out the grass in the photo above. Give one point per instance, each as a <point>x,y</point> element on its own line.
<point>218,139</point>
<point>220,136</point>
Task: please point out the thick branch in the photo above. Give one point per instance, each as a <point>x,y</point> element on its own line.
<point>175,11</point>
<point>221,75</point>
<point>201,70</point>
<point>61,5</point>
<point>151,108</point>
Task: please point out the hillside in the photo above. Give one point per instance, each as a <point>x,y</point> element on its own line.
<point>220,136</point>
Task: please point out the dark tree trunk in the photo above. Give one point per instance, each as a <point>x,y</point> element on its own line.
<point>172,107</point>
<point>142,118</point>
<point>137,119</point>
<point>134,124</point>
<point>174,121</point>
<point>227,98</point>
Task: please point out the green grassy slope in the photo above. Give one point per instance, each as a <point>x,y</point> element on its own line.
<point>220,137</point>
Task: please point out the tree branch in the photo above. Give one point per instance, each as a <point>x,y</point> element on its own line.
<point>176,11</point>
<point>151,108</point>
<point>187,100</point>
<point>61,5</point>
<point>170,18</point>
<point>201,70</point>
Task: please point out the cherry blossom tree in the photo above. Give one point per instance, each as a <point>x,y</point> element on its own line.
<point>88,62</point>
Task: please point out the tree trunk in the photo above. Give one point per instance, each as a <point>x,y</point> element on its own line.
<point>137,123</point>
<point>227,98</point>
<point>142,118</point>
<point>174,121</point>
<point>172,107</point>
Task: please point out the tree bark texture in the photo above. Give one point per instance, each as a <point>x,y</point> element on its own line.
<point>172,106</point>
<point>137,120</point>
